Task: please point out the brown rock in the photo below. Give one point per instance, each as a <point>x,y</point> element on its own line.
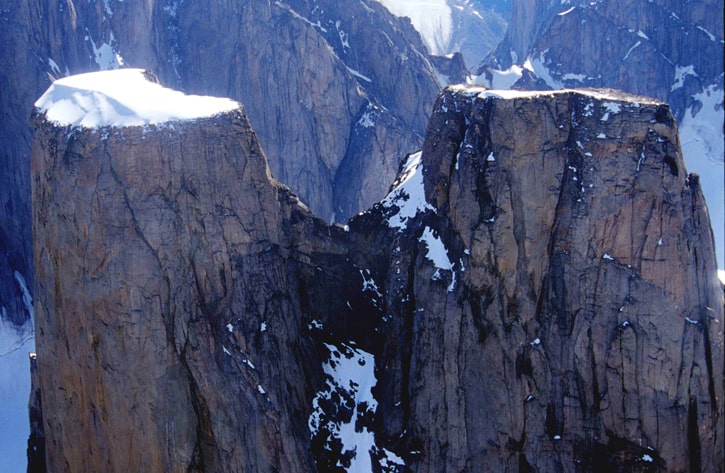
<point>580,328</point>
<point>553,307</point>
<point>169,330</point>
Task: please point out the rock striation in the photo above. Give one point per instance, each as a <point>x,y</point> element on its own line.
<point>336,95</point>
<point>538,292</point>
<point>572,318</point>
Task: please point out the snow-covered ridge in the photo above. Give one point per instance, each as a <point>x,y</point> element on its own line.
<point>610,95</point>
<point>123,98</point>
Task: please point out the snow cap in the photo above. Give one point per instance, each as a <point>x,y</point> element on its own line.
<point>122,98</point>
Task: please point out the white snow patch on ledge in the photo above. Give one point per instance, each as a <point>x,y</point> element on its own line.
<point>614,101</point>
<point>408,196</point>
<point>437,252</point>
<point>123,98</point>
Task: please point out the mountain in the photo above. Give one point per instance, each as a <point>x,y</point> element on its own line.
<point>471,28</point>
<point>537,292</point>
<point>337,94</point>
<point>669,50</point>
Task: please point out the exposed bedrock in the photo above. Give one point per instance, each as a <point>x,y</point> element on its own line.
<point>552,304</point>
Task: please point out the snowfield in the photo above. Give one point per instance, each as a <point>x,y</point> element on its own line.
<point>431,18</point>
<point>121,98</point>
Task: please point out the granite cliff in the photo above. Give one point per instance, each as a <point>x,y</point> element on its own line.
<point>337,95</point>
<point>666,49</point>
<point>536,293</point>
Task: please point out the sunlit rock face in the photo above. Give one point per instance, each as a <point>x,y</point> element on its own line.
<point>168,299</point>
<point>536,292</point>
<point>337,94</point>
<point>666,49</point>
<point>559,298</point>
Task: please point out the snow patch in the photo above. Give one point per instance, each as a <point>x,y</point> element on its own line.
<point>105,55</point>
<point>359,75</point>
<point>574,77</point>
<point>342,410</point>
<point>437,252</point>
<point>629,51</point>
<point>538,67</point>
<point>680,74</point>
<point>120,98</point>
<point>501,79</point>
<point>610,107</point>
<point>408,195</point>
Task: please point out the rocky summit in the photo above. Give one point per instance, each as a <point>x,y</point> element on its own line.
<point>537,292</point>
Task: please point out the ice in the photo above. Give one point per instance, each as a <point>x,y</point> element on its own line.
<point>709,35</point>
<point>701,137</point>
<point>54,67</point>
<point>369,284</point>
<point>121,98</point>
<point>431,18</point>
<point>27,298</point>
<point>629,51</point>
<point>359,75</point>
<point>565,12</point>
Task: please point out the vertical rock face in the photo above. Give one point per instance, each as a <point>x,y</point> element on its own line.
<point>537,293</point>
<point>337,96</point>
<point>558,307</point>
<point>169,322</point>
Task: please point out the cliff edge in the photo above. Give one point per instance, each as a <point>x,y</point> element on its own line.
<point>538,292</point>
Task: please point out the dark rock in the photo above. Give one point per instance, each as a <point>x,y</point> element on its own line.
<point>552,306</point>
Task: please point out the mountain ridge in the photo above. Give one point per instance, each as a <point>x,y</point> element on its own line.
<point>241,303</point>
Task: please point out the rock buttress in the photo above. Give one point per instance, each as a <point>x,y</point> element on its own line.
<point>171,328</point>
<point>553,305</point>
<point>557,309</point>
